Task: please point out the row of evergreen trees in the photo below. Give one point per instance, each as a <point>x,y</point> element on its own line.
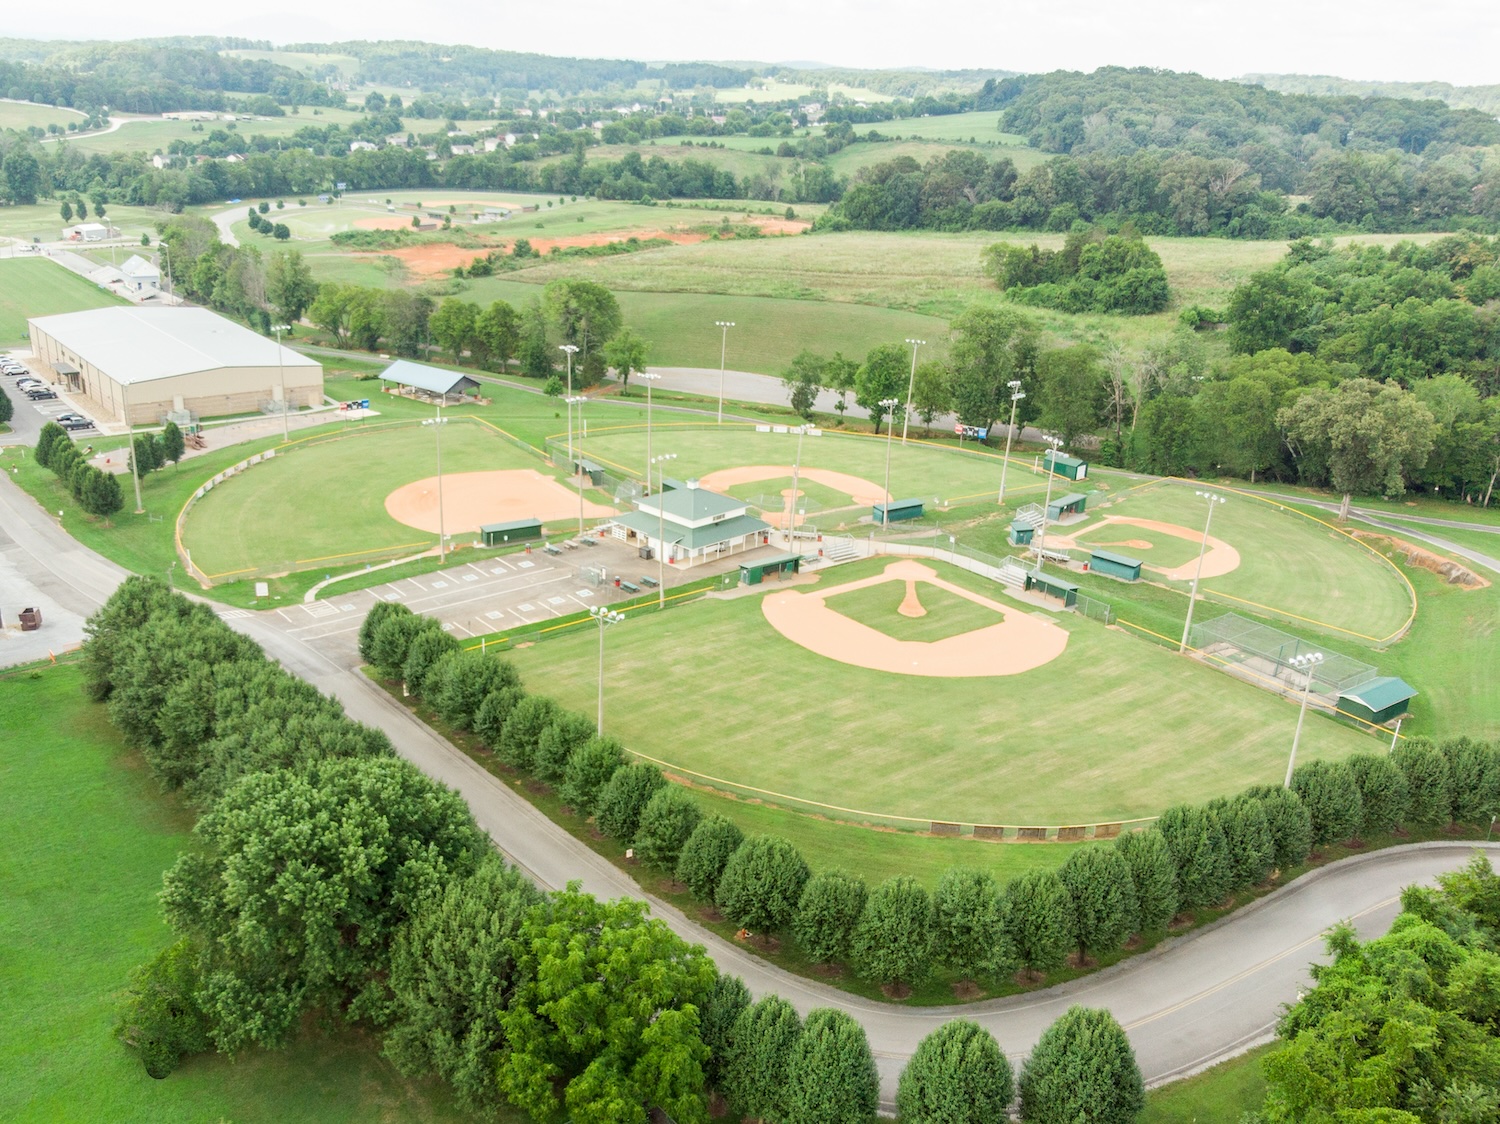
<point>328,878</point>
<point>1195,857</point>
<point>97,492</point>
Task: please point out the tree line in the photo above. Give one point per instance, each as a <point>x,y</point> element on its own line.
<point>1195,857</point>
<point>328,879</point>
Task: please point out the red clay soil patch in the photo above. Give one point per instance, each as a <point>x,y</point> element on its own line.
<point>431,259</point>
<point>895,991</point>
<point>1446,568</point>
<point>966,990</point>
<point>679,237</point>
<point>384,222</point>
<point>782,226</point>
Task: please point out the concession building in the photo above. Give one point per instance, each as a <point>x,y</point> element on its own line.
<point>159,361</point>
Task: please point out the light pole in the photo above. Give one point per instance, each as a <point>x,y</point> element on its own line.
<point>437,427</point>
<point>1305,662</point>
<point>1016,394</point>
<point>135,469</point>
<point>796,480</point>
<point>605,617</point>
<point>724,326</point>
<point>1214,500</point>
<point>281,366</point>
<point>887,404</point>
<point>1056,443</point>
<point>648,379</point>
<point>661,526</point>
<point>166,255</point>
<point>911,385</point>
<point>570,350</point>
<point>576,465</point>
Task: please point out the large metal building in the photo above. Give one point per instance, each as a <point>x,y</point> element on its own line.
<point>159,361</point>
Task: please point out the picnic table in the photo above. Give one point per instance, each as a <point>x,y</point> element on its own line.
<point>630,587</point>
<point>550,549</point>
<point>651,582</point>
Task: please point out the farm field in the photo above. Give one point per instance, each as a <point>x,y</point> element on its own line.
<point>981,126</point>
<point>37,287</point>
<point>148,134</point>
<point>88,836</point>
<point>23,115</point>
<point>1112,729</point>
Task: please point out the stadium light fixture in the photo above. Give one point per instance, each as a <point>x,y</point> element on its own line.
<point>911,385</point>
<point>723,326</point>
<point>1056,444</point>
<point>604,618</point>
<point>1214,500</point>
<point>661,529</point>
<point>887,405</point>
<point>1016,394</point>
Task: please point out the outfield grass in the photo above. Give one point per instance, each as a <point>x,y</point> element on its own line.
<point>38,287</point>
<point>87,838</point>
<point>1113,729</point>
<point>947,614</point>
<point>315,504</point>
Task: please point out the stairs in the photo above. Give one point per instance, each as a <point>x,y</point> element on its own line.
<point>1012,573</point>
<point>840,549</point>
<point>1032,515</point>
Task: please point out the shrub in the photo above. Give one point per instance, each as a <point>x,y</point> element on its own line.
<point>1103,898</point>
<point>160,1017</point>
<point>1289,822</point>
<point>966,920</point>
<point>706,854</point>
<point>1383,796</point>
<point>728,1000</point>
<point>379,613</point>
<point>1474,775</point>
<point>1429,782</point>
<point>392,640</point>
<point>1247,835</point>
<point>831,1077</point>
<point>1197,844</point>
<point>1331,795</point>
<point>428,646</point>
<point>494,712</point>
<point>667,823</point>
<point>458,691</point>
<point>1153,874</point>
<point>523,729</point>
<point>564,736</point>
<point>1082,1068</point>
<point>762,883</point>
<point>1035,914</point>
<point>762,1041</point>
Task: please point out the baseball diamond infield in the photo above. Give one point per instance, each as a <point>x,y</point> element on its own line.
<point>1020,643</point>
<point>471,499</point>
<point>1218,560</point>
<point>857,488</point>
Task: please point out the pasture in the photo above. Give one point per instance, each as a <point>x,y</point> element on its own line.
<point>88,834</point>
<point>1112,729</point>
<point>38,287</point>
<point>322,503</point>
<point>152,134</point>
<point>23,115</point>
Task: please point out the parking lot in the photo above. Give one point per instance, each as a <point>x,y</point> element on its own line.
<point>31,414</point>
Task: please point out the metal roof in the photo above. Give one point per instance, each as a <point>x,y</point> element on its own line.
<point>691,504</point>
<point>1380,693</point>
<point>137,345</point>
<point>137,266</point>
<point>693,538</point>
<point>434,380</point>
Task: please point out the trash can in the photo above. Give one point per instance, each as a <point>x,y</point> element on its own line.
<point>31,620</point>
<point>647,553</point>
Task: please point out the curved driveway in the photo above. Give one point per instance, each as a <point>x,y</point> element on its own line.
<point>1188,1003</point>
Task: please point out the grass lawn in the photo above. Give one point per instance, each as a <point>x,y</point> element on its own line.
<point>948,614</point>
<point>38,287</point>
<point>1113,729</point>
<point>315,503</point>
<point>1218,1094</point>
<point>1163,550</point>
<point>22,115</point>
<point>1485,542</point>
<point>87,836</point>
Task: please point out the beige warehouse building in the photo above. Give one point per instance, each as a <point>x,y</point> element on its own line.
<point>157,361</point>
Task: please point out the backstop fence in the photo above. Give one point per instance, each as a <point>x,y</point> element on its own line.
<point>1266,654</point>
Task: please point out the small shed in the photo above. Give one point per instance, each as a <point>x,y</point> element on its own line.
<point>1379,700</point>
<point>1066,592</point>
<point>1113,565</point>
<point>519,530</point>
<point>592,469</point>
<point>753,573</point>
<point>1071,504</point>
<point>1063,465</point>
<point>896,510</point>
<point>1021,532</point>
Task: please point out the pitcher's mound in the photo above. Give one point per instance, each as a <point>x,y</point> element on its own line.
<point>471,499</point>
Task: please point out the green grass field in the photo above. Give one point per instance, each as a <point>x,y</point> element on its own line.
<point>1115,728</point>
<point>315,505</point>
<point>38,287</point>
<point>1218,1094</point>
<point>22,115</point>
<point>150,134</point>
<point>947,614</point>
<point>87,836</point>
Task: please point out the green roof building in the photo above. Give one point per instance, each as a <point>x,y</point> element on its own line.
<point>1379,700</point>
<point>691,524</point>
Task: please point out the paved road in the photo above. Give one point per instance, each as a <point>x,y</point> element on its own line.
<point>1188,1003</point>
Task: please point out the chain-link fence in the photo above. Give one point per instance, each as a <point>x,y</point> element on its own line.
<point>1235,641</point>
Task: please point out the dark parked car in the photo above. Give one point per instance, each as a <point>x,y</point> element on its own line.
<point>73,421</point>
<point>37,393</point>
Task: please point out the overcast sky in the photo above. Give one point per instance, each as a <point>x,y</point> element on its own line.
<point>1456,41</point>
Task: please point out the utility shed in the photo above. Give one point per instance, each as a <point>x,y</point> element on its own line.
<point>1066,592</point>
<point>1114,565</point>
<point>519,530</point>
<point>1063,465</point>
<point>753,573</point>
<point>1378,700</point>
<point>894,511</point>
<point>1021,532</point>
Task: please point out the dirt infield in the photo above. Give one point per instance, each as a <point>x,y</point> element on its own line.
<point>471,499</point>
<point>1021,643</point>
<point>430,259</point>
<point>383,222</point>
<point>1220,558</point>
<point>857,488</point>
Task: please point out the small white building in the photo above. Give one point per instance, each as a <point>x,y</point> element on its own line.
<point>361,146</point>
<point>140,275</point>
<point>86,232</point>
<point>159,161</point>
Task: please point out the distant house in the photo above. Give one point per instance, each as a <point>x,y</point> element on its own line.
<point>159,161</point>
<point>717,119</point>
<point>462,150</point>
<point>234,158</point>
<point>397,140</point>
<point>492,143</point>
<point>140,275</point>
<point>509,139</point>
<point>361,146</point>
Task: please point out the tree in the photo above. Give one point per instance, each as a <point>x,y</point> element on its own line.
<point>706,854</point>
<point>726,1002</point>
<point>452,968</point>
<point>1036,921</point>
<point>464,681</point>
<point>1197,844</point>
<point>586,315</point>
<point>497,334</point>
<point>100,494</point>
<point>1383,796</point>
<point>1289,822</point>
<point>494,712</point>
<point>624,797</point>
<point>839,376</point>
<point>666,824</point>
<point>883,376</point>
<point>994,346</point>
<point>144,456</point>
<point>453,325</point>
<point>1071,389</point>
<point>171,443</point>
<point>1331,795</point>
<point>1102,893</point>
<point>628,1039</point>
<point>21,176</point>
<point>428,646</point>
<point>392,640</point>
<point>894,939</point>
<point>966,920</point>
<point>626,353</point>
<point>1153,875</point>
<point>52,435</point>
<point>802,379</point>
<point>301,881</point>
<point>536,357</point>
<point>334,310</point>
<point>281,232</point>
<point>931,394</point>
<point>1082,1068</point>
<point>957,1075</point>
<point>522,732</point>
<point>289,283</point>
<point>1363,436</point>
<point>67,211</point>
<point>762,1043</point>
<point>1475,776</point>
<point>565,735</point>
<point>589,770</point>
<point>831,1077</point>
<point>1429,782</point>
<point>762,884</point>
<point>832,903</point>
<point>160,1018</point>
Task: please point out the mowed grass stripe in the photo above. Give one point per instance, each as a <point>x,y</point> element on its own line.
<point>1114,729</point>
<point>38,287</point>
